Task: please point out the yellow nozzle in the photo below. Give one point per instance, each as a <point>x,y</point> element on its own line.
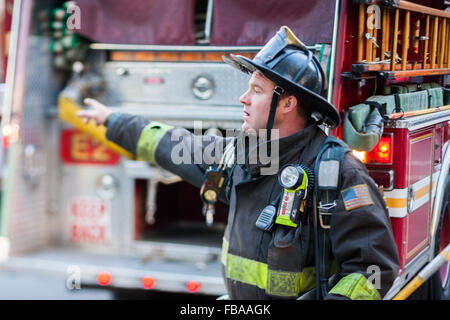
<point>67,112</point>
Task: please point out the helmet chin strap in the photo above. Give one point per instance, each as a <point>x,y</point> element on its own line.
<point>277,91</point>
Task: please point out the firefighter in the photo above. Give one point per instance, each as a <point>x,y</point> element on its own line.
<point>265,261</point>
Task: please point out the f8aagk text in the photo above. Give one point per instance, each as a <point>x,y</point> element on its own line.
<point>246,309</point>
<point>231,309</point>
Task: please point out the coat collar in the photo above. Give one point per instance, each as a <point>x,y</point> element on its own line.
<point>285,150</point>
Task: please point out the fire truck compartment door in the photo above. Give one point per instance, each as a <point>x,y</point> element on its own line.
<point>161,22</point>
<point>239,22</point>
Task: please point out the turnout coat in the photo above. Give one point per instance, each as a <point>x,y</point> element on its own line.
<point>278,263</point>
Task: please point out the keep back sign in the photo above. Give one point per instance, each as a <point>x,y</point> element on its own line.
<point>90,220</point>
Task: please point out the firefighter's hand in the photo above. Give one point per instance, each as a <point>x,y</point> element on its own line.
<point>97,112</point>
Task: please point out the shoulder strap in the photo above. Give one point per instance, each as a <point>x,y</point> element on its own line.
<point>327,172</point>
<point>327,168</point>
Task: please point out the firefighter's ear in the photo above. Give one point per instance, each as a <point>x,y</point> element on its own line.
<point>288,104</point>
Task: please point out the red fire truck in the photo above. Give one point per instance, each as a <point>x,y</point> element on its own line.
<point>75,205</point>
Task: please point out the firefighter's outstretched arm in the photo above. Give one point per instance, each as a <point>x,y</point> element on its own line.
<point>361,237</point>
<point>174,149</point>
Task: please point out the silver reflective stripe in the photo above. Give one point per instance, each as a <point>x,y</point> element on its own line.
<point>329,173</point>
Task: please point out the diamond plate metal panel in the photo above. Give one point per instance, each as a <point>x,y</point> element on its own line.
<point>172,83</point>
<point>28,223</point>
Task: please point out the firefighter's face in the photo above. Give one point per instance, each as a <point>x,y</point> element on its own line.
<point>256,101</point>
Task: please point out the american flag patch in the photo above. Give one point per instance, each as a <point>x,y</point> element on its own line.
<point>356,196</point>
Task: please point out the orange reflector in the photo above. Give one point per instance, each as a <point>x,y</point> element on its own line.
<point>168,56</point>
<point>180,56</point>
<point>192,56</point>
<point>193,286</point>
<point>214,56</point>
<point>104,278</point>
<point>123,56</point>
<point>148,282</point>
<point>145,56</point>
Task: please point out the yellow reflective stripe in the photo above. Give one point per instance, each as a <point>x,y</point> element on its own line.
<point>246,270</point>
<point>224,251</point>
<point>356,287</point>
<point>274,282</point>
<point>149,140</point>
<point>308,279</point>
<point>290,284</point>
<point>283,283</point>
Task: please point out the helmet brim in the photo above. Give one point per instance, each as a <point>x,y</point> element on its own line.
<point>310,98</point>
